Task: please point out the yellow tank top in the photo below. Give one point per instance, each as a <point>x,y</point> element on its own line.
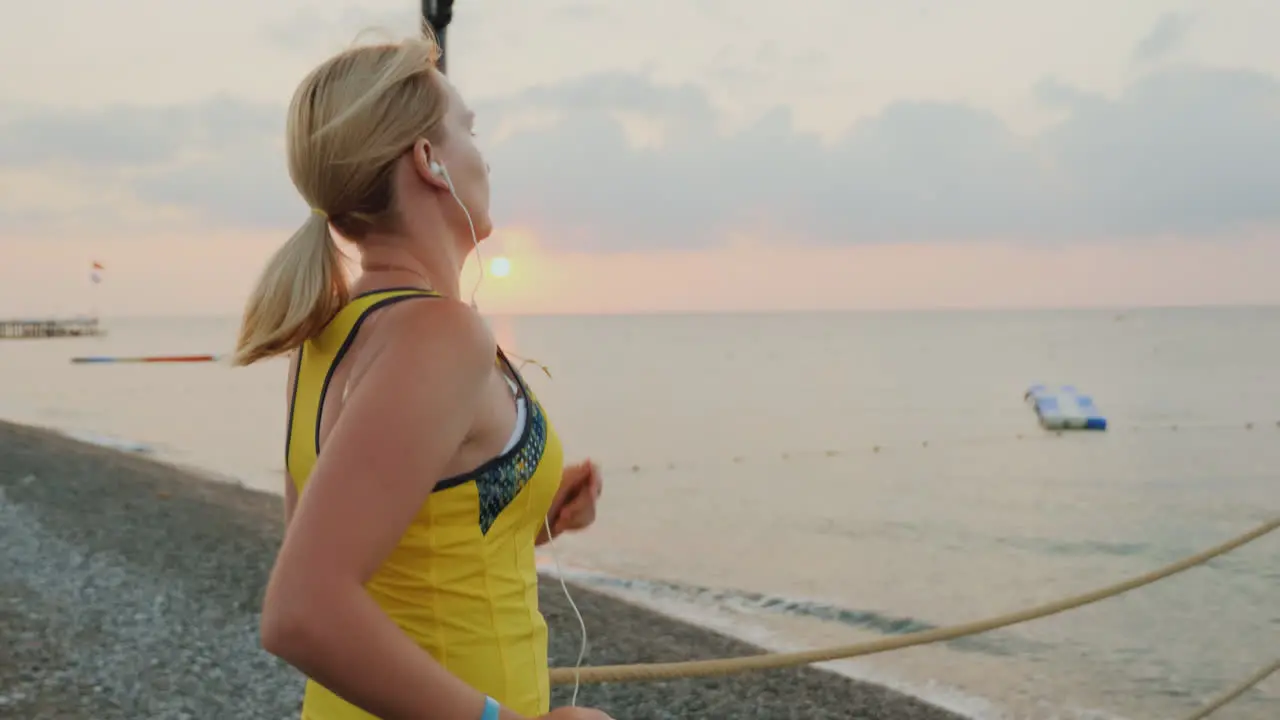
<point>462,582</point>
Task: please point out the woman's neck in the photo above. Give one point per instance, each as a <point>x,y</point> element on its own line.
<point>382,266</point>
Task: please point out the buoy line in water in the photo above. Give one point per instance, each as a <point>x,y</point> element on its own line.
<point>925,445</point>
<point>131,359</point>
<point>640,672</point>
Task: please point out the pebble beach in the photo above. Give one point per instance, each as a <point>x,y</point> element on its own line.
<point>130,589</point>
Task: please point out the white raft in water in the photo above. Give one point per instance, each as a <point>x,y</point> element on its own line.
<point>1064,408</point>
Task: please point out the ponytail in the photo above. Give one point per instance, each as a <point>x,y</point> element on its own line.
<point>299,292</point>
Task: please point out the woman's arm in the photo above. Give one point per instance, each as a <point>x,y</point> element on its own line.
<point>290,498</point>
<point>403,420</point>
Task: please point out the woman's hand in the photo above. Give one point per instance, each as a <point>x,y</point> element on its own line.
<point>574,507</point>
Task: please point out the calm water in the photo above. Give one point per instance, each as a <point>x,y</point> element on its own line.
<point>804,480</point>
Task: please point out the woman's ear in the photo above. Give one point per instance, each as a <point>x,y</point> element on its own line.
<point>428,167</point>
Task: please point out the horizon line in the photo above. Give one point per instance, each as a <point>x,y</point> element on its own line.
<point>941,309</point>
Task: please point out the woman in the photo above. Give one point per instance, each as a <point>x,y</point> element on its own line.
<point>422,468</point>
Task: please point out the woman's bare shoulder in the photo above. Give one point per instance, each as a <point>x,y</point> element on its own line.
<point>436,337</point>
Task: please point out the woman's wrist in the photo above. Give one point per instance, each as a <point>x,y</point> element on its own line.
<point>499,712</point>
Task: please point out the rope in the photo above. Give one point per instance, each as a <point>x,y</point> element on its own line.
<point>768,661</point>
<point>1235,692</point>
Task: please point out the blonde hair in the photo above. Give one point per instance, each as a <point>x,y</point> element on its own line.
<point>350,121</point>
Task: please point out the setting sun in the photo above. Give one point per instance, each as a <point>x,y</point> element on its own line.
<point>500,267</point>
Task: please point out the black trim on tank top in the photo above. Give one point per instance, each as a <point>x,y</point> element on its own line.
<point>491,463</point>
<point>424,291</point>
<point>350,338</point>
<point>293,404</point>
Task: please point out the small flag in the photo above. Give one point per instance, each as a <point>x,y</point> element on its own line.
<point>98,266</point>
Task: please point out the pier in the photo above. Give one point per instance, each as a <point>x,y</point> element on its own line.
<point>49,328</point>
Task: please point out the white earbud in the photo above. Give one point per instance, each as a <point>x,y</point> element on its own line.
<point>437,168</point>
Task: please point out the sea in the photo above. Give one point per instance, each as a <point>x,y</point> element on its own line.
<point>810,479</point>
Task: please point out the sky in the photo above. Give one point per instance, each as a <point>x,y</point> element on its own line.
<point>677,155</point>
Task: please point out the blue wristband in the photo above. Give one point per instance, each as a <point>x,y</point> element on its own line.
<point>491,709</point>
